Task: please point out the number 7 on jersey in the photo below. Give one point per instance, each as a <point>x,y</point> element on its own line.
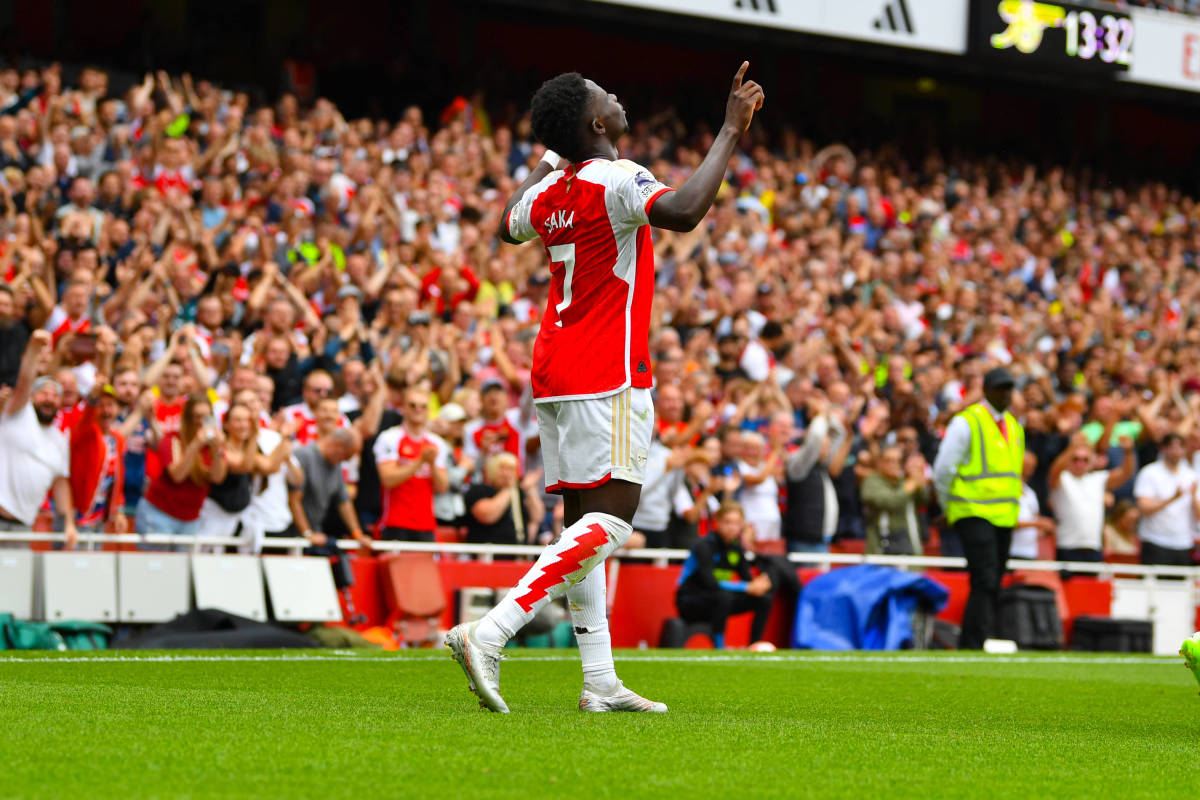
<point>564,254</point>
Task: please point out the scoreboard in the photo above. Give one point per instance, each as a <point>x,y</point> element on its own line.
<point>1053,36</point>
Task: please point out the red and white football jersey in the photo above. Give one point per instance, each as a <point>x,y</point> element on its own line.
<point>410,504</point>
<point>59,324</point>
<point>511,438</point>
<point>593,221</point>
<point>306,422</point>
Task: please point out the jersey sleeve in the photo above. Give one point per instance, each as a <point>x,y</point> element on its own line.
<point>637,190</point>
<point>520,219</point>
<point>443,454</point>
<point>387,447</point>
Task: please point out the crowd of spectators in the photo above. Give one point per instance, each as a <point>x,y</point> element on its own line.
<point>275,321</point>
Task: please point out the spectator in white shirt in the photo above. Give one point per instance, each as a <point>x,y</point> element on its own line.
<point>35,456</point>
<point>1031,524</point>
<point>1077,495</point>
<point>761,470</point>
<point>653,515</point>
<point>1166,495</point>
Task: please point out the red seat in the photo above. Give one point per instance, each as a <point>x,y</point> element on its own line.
<point>415,599</point>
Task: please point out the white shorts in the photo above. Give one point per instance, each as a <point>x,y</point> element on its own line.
<point>586,443</point>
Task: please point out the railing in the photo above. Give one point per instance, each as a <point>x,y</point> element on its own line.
<point>659,557</point>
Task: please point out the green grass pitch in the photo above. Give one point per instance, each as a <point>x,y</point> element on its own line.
<point>334,724</point>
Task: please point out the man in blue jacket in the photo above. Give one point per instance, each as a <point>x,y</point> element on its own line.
<point>716,580</point>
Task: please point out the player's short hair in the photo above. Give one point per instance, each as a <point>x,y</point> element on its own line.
<point>557,114</point>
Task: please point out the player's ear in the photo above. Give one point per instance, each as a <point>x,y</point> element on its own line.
<point>598,126</point>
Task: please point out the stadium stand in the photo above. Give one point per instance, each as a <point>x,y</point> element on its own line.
<point>178,240</point>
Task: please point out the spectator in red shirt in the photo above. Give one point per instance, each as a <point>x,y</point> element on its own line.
<point>668,415</point>
<point>191,463</point>
<point>98,462</point>
<point>318,385</point>
<point>495,431</point>
<point>412,469</point>
<point>448,286</point>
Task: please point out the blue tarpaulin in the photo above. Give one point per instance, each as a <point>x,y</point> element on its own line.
<point>863,607</point>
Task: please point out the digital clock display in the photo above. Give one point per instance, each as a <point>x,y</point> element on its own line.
<point>1069,34</point>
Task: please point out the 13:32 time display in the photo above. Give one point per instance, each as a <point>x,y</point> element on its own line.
<point>1069,34</point>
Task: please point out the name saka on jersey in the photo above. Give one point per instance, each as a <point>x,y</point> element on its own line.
<point>593,220</point>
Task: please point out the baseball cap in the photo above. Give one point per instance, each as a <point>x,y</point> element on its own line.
<point>349,290</point>
<point>998,378</point>
<point>109,390</point>
<point>452,412</point>
<point>539,279</point>
<point>490,384</point>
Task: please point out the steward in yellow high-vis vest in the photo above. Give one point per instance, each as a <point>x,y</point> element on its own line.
<point>989,484</point>
<point>977,474</point>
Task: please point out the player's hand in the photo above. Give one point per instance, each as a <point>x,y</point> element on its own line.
<point>318,539</point>
<point>744,100</point>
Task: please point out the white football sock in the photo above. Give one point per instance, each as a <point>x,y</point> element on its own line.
<point>563,564</point>
<point>589,616</point>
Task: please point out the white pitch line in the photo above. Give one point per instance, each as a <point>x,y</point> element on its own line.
<point>713,658</point>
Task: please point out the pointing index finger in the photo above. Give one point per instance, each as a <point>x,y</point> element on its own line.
<point>737,79</point>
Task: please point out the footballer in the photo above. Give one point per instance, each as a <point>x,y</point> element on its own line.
<point>591,370</point>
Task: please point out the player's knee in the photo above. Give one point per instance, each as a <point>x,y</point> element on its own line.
<point>616,529</point>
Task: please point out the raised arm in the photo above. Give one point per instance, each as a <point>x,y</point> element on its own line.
<point>39,343</point>
<point>682,210</point>
<point>1121,475</point>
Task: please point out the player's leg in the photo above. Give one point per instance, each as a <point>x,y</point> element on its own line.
<point>588,605</point>
<point>597,445</point>
<point>587,600</point>
<point>481,662</point>
<point>581,454</point>
<point>563,564</point>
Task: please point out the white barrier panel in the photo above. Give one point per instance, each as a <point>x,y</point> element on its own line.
<point>939,25</point>
<point>1167,52</point>
<point>1170,605</point>
<point>80,586</point>
<point>16,583</point>
<point>301,589</point>
<point>229,583</point>
<point>152,587</point>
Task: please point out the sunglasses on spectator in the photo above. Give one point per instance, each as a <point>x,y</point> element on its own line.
<point>322,391</point>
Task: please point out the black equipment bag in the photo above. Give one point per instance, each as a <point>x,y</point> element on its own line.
<point>1029,616</point>
<point>1101,634</point>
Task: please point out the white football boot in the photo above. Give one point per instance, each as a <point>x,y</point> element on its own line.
<point>621,699</point>
<point>481,665</point>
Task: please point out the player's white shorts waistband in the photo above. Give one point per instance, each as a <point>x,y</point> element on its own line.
<point>586,443</point>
